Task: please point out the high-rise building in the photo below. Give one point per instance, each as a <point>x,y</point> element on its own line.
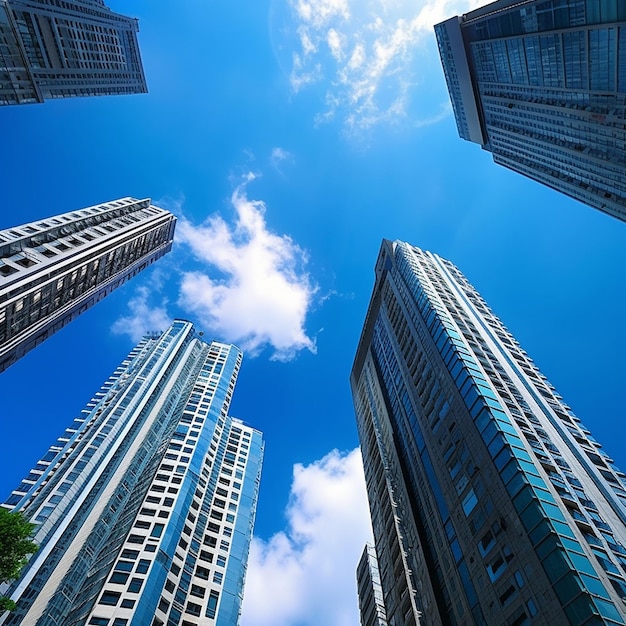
<point>490,502</point>
<point>54,269</point>
<point>53,49</point>
<point>541,84</point>
<point>371,601</point>
<point>144,507</point>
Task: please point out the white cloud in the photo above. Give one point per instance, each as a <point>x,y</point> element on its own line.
<point>318,13</point>
<point>263,294</point>
<point>335,43</point>
<point>375,61</point>
<point>143,317</point>
<point>278,156</point>
<point>305,575</point>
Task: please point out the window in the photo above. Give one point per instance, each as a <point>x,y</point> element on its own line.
<point>212,604</point>
<point>157,531</point>
<point>193,609</point>
<point>469,502</point>
<point>125,566</point>
<point>197,591</point>
<point>127,604</point>
<point>135,585</point>
<point>118,578</point>
<point>110,598</point>
<point>205,556</point>
<point>143,566</point>
<point>99,621</point>
<point>496,567</point>
<point>486,543</point>
<point>120,621</point>
<point>508,595</point>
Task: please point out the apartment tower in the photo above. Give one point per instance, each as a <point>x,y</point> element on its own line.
<point>541,84</point>
<point>371,601</point>
<point>491,503</point>
<point>144,507</point>
<point>52,270</point>
<point>60,49</point>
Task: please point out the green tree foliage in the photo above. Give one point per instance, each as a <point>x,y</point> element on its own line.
<point>15,548</point>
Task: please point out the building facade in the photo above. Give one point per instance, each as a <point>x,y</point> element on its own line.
<point>145,505</point>
<point>371,601</point>
<point>491,503</point>
<point>542,85</point>
<point>54,269</point>
<point>64,48</point>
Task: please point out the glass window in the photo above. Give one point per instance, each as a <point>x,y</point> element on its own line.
<point>469,502</point>
<point>118,578</point>
<point>110,597</point>
<point>157,531</point>
<point>212,604</point>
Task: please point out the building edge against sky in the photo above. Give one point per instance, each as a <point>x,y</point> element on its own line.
<point>490,502</point>
<point>371,601</point>
<point>542,85</point>
<point>65,49</point>
<point>54,269</point>
<point>144,507</point>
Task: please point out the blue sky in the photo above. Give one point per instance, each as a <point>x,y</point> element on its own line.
<point>290,137</point>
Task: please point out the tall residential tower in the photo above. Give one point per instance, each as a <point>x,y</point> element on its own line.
<point>144,507</point>
<point>371,601</point>
<point>59,49</point>
<point>54,269</point>
<point>491,503</point>
<point>541,84</point>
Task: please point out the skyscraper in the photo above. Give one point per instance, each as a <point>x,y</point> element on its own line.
<point>52,49</point>
<point>541,84</point>
<point>491,503</point>
<point>371,602</point>
<point>54,269</point>
<point>145,505</point>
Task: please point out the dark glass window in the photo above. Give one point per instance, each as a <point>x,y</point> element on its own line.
<point>110,597</point>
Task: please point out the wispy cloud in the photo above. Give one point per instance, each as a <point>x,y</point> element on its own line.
<point>372,56</point>
<point>305,574</point>
<point>279,156</point>
<point>255,290</point>
<point>143,316</point>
